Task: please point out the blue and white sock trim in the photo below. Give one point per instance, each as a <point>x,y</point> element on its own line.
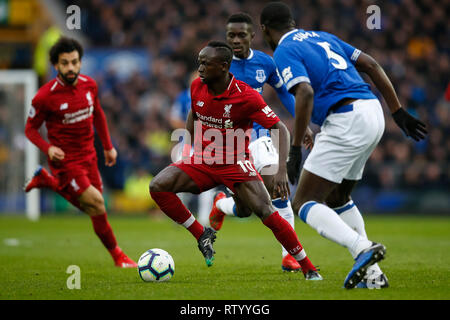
<point>280,204</point>
<point>345,207</point>
<point>235,210</point>
<point>304,210</point>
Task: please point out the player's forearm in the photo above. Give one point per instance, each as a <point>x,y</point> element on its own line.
<point>370,66</point>
<point>102,129</point>
<point>280,133</point>
<point>304,101</point>
<point>35,137</point>
<point>287,99</point>
<point>190,124</point>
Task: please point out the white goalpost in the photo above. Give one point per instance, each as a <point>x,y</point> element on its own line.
<point>18,88</point>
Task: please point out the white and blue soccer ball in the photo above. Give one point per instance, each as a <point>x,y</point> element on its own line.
<point>156,265</point>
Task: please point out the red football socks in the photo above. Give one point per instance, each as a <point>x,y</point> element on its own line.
<point>172,206</point>
<point>288,238</point>
<point>104,231</point>
<point>306,265</point>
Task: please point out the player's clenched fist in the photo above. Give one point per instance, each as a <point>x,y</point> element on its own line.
<point>55,153</point>
<point>110,157</point>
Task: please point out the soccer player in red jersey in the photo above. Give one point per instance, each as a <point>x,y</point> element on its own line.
<point>70,108</point>
<point>223,110</point>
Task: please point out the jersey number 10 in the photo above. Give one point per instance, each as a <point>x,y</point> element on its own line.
<point>246,166</point>
<point>340,62</point>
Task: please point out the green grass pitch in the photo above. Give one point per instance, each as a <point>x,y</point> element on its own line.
<point>34,257</point>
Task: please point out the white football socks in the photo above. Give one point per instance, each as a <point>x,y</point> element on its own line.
<point>226,205</point>
<point>329,225</point>
<point>205,202</point>
<point>352,217</point>
<point>350,214</point>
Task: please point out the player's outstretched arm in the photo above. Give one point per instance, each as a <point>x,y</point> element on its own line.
<point>288,101</point>
<point>280,183</point>
<point>101,126</point>
<point>411,126</point>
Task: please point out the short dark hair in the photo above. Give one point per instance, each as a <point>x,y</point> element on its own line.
<point>276,15</point>
<point>240,17</point>
<point>223,49</point>
<point>64,45</point>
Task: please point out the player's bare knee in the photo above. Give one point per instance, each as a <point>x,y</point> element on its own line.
<point>263,210</point>
<point>99,206</point>
<point>93,206</point>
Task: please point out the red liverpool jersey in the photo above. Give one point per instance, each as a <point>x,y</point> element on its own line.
<point>70,113</point>
<point>225,119</point>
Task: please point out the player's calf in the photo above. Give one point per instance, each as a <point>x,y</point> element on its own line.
<point>242,211</point>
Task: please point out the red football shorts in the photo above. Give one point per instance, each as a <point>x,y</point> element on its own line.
<point>75,177</point>
<point>207,177</point>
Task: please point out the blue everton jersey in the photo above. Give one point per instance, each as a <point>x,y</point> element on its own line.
<point>182,105</point>
<point>257,70</point>
<point>324,61</point>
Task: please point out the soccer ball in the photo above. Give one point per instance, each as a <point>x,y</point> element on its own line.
<point>156,265</point>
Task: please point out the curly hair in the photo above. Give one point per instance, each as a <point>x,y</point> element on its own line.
<point>64,45</point>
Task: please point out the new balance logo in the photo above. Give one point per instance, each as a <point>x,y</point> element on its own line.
<point>206,242</point>
<point>228,124</point>
<point>200,103</point>
<point>64,106</point>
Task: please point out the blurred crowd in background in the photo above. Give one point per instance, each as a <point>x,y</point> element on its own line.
<point>412,46</point>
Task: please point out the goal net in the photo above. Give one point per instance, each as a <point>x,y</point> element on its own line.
<point>18,157</point>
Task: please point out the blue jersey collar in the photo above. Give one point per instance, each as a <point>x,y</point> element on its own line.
<point>286,35</point>
<point>248,58</point>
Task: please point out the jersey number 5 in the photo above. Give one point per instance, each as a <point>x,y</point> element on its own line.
<point>340,62</point>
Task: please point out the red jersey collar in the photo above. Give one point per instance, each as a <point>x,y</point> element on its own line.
<point>60,81</point>
<point>229,89</point>
<point>80,77</point>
